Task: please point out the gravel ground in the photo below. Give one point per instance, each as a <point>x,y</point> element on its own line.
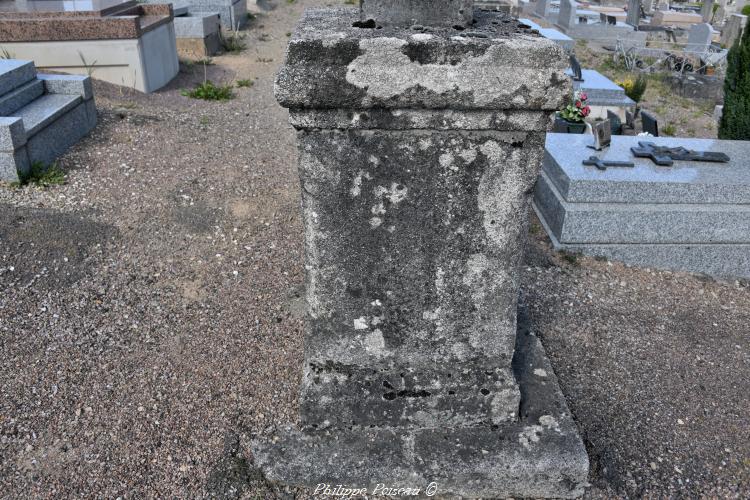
<point>150,315</point>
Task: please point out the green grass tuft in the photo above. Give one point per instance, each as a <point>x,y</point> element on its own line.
<point>210,92</point>
<point>42,175</point>
<point>246,82</point>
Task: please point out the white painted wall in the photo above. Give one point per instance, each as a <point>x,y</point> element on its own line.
<point>146,64</point>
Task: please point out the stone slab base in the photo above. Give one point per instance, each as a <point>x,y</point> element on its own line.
<point>720,260</point>
<point>541,455</point>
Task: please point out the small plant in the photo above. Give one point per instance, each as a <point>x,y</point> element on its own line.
<point>577,111</point>
<point>42,175</point>
<point>351,2</point>
<point>746,10</point>
<point>234,42</point>
<point>264,60</point>
<point>290,1</point>
<point>634,88</point>
<point>570,257</point>
<point>89,67</point>
<point>204,120</point>
<point>288,34</point>
<point>208,91</point>
<point>669,129</point>
<point>250,16</point>
<point>246,82</point>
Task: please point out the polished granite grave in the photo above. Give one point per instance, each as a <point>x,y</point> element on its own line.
<point>41,116</point>
<point>693,216</point>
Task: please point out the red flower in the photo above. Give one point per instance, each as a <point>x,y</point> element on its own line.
<point>583,96</point>
<point>579,104</point>
<point>585,111</point>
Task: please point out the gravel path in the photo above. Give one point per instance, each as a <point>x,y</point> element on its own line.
<point>150,315</point>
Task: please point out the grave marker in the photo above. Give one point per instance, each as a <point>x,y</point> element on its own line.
<point>699,38</point>
<point>649,123</point>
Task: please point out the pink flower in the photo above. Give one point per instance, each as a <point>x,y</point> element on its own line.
<point>585,111</point>
<point>583,96</point>
<point>579,104</point>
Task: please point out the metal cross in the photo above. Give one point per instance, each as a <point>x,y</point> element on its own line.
<point>603,164</point>
<point>664,156</point>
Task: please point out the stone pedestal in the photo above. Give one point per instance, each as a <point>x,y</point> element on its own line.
<point>419,147</point>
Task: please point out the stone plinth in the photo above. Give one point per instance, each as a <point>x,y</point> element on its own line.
<point>418,151</point>
<point>693,216</point>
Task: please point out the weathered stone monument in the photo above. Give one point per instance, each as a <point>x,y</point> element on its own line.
<point>420,138</point>
<point>733,29</point>
<point>707,10</point>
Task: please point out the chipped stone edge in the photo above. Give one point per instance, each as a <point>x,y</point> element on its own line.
<point>542,455</point>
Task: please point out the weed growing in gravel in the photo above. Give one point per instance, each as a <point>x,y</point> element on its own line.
<point>250,16</point>
<point>42,175</point>
<point>669,129</point>
<point>571,258</point>
<point>208,91</point>
<point>234,42</point>
<point>246,82</point>
<point>204,120</point>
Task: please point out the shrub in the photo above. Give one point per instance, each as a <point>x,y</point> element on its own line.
<point>735,118</point>
<point>746,10</point>
<point>634,88</point>
<point>210,92</point>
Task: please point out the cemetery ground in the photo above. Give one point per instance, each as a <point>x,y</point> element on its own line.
<point>151,315</point>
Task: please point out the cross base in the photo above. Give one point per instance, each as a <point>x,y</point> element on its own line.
<point>540,455</point>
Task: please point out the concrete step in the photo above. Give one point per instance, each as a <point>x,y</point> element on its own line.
<point>20,97</point>
<point>14,73</point>
<point>45,110</point>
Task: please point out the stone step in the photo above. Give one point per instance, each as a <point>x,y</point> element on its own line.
<point>14,73</point>
<point>45,110</point>
<point>20,97</point>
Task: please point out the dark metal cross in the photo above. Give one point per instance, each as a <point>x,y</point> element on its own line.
<point>603,164</point>
<point>664,156</point>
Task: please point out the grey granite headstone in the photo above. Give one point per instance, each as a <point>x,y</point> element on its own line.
<point>567,17</point>
<point>634,13</point>
<point>699,37</point>
<point>542,8</point>
<point>417,152</point>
